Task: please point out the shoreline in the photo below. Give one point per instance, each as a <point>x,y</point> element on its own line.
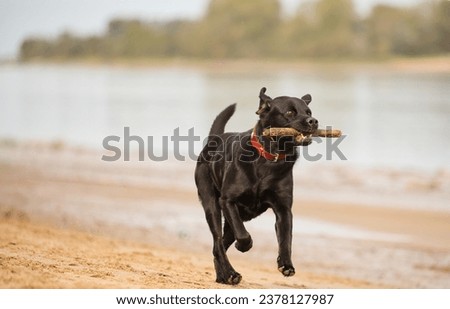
<point>425,64</point>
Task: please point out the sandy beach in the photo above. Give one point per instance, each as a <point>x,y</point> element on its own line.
<point>70,220</point>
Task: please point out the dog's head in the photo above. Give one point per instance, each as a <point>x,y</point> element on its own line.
<point>287,112</point>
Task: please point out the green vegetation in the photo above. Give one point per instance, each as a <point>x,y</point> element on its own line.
<point>256,29</point>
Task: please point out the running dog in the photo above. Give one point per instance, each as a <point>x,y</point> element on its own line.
<point>240,175</point>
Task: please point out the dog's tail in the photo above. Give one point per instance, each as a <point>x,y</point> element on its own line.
<point>218,126</point>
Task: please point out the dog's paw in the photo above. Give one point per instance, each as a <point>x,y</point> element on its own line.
<point>232,279</point>
<point>244,245</point>
<point>287,271</point>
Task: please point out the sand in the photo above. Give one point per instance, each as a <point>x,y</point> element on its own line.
<point>37,256</point>
<point>70,220</point>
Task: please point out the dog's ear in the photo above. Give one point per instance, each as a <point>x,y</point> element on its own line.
<point>307,98</point>
<point>264,101</point>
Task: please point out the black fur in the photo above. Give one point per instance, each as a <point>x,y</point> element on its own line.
<point>234,181</point>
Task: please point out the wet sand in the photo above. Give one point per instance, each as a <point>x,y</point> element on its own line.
<point>70,220</point>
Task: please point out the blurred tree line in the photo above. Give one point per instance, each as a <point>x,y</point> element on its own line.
<point>244,29</point>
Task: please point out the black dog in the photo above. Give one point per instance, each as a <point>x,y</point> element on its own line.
<point>241,175</point>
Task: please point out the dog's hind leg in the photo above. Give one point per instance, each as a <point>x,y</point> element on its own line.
<point>244,241</point>
<point>225,273</point>
<point>228,236</point>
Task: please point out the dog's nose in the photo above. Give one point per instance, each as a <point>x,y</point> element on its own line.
<point>313,123</point>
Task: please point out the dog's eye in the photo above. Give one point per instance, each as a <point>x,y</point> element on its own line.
<point>308,113</point>
<point>290,113</point>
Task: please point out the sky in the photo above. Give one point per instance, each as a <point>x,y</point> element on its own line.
<point>46,18</point>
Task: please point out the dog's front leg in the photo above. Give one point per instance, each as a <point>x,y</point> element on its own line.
<point>283,227</point>
<point>244,241</point>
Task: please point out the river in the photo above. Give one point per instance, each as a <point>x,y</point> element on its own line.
<point>390,117</point>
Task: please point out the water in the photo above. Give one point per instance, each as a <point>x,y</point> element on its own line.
<point>390,118</point>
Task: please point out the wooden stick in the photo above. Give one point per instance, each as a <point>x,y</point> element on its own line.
<point>328,133</point>
<point>295,133</point>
